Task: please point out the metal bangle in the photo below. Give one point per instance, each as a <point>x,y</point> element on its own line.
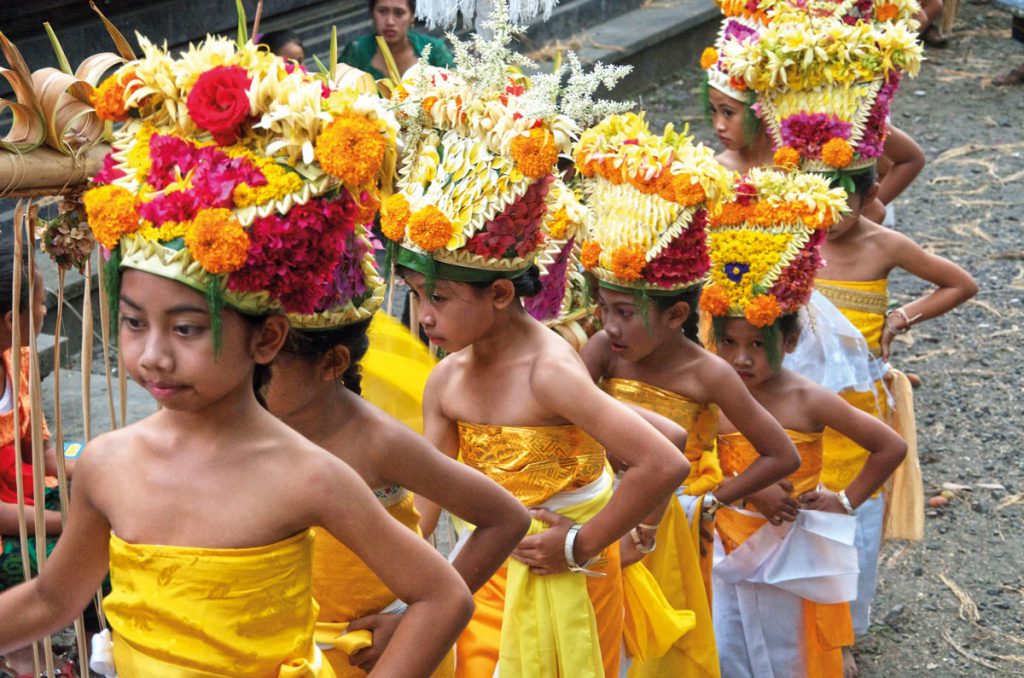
<point>570,558</point>
<point>709,506</point>
<point>899,330</point>
<point>845,501</point>
<point>634,534</point>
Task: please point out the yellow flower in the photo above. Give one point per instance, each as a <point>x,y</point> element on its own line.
<point>837,152</point>
<point>628,263</point>
<point>559,224</point>
<point>708,58</point>
<point>762,311</point>
<point>535,153</point>
<point>430,228</point>
<point>166,232</point>
<point>111,213</point>
<point>217,241</point>
<point>351,149</point>
<point>590,254</point>
<point>394,216</point>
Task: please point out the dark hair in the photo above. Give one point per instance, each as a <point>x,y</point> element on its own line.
<point>690,296</point>
<point>789,324</point>
<point>527,285</point>
<point>311,345</point>
<point>260,373</point>
<point>275,40</point>
<point>773,335</point>
<point>862,181</point>
<point>7,276</point>
<point>410,3</point>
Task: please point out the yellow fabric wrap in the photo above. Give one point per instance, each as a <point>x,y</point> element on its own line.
<point>651,624</point>
<point>904,497</point>
<point>395,370</point>
<point>184,612</point>
<point>699,419</point>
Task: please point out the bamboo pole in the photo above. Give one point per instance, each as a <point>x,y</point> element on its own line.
<point>105,339</point>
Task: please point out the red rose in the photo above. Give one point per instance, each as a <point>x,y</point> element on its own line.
<point>219,102</point>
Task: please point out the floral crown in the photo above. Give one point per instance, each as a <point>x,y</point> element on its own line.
<point>245,178</point>
<point>733,28</point>
<point>647,197</point>
<point>824,86</point>
<point>850,11</point>
<point>481,146</point>
<point>764,244</point>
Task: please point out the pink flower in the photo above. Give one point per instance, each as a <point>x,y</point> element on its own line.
<point>808,132</point>
<point>876,126</point>
<point>547,304</point>
<point>219,102</point>
<point>516,231</point>
<point>793,288</point>
<point>110,171</point>
<point>685,260</point>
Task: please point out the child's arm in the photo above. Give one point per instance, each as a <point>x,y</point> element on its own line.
<point>72,574</point>
<point>440,605</point>
<point>905,160</point>
<point>9,520</point>
<point>654,466</point>
<point>777,454</point>
<point>886,447</point>
<point>442,433</point>
<point>955,286</point>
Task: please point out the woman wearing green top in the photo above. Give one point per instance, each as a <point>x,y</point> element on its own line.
<point>392,20</point>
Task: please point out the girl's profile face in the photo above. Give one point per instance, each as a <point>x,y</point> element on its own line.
<point>855,201</point>
<point>167,343</point>
<point>454,315</point>
<point>623,322</point>
<point>743,346</point>
<point>727,118</point>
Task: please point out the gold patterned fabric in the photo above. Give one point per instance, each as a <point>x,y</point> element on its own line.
<point>864,304</point>
<point>534,463</point>
<point>183,612</point>
<point>736,454</point>
<point>699,419</point>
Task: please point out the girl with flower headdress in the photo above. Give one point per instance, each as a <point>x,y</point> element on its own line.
<point>649,198</point>
<point>512,399</point>
<point>785,562</point>
<point>223,220</point>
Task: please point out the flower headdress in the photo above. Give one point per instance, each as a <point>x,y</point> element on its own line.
<point>850,11</point>
<point>824,86</point>
<point>245,178</point>
<point>481,146</point>
<point>764,245</point>
<point>739,28</point>
<point>647,197</point>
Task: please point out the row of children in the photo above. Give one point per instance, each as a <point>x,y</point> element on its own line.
<point>235,208</point>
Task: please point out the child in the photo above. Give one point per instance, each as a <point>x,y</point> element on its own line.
<point>512,399</point>
<point>315,389</point>
<point>286,44</point>
<point>773,615</point>
<point>203,510</point>
<point>648,287</point>
<point>900,163</point>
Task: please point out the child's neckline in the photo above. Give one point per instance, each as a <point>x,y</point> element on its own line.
<point>216,550</point>
<point>657,389</point>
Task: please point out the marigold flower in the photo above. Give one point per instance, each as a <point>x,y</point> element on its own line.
<point>837,152</point>
<point>708,58</point>
<point>430,228</point>
<point>111,212</point>
<point>351,149</point>
<point>590,254</point>
<point>687,192</point>
<point>714,300</point>
<point>559,224</point>
<point>108,98</point>
<point>535,153</point>
<point>787,157</point>
<point>217,241</point>
<point>886,12</point>
<point>366,207</point>
<point>628,263</point>
<point>762,310</point>
<point>394,216</point>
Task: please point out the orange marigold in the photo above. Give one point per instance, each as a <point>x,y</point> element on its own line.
<point>730,214</point>
<point>762,311</point>
<point>644,186</point>
<point>628,263</point>
<point>430,228</point>
<point>708,58</point>
<point>367,209</point>
<point>787,157</point>
<point>351,148</point>
<point>837,152</point>
<point>887,12</point>
<point>714,300</point>
<point>217,241</point>
<point>685,191</point>
<point>535,152</point>
<point>590,254</point>
<point>108,98</point>
<point>111,213</point>
<point>394,216</point>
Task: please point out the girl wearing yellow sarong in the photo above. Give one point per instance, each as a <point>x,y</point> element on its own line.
<point>780,589</point>
<point>648,354</point>
<point>512,399</point>
<point>203,511</point>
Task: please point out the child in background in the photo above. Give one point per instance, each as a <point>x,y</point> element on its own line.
<point>774,616</point>
<point>284,43</point>
<point>900,163</point>
<point>646,246</point>
<point>203,511</point>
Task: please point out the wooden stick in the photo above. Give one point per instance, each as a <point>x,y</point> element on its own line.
<point>105,338</point>
<point>256,20</point>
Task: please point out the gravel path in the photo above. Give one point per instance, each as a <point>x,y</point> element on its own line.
<point>954,604</point>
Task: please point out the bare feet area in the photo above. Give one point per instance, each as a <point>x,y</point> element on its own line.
<point>952,605</point>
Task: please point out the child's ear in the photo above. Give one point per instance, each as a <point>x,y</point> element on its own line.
<point>872,193</point>
<point>9,322</point>
<point>335,363</point>
<point>790,341</point>
<point>503,293</point>
<point>268,339</point>
<point>677,314</point>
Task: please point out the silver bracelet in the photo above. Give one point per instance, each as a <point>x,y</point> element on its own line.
<point>845,501</point>
<point>899,311</point>
<point>634,534</point>
<point>570,558</point>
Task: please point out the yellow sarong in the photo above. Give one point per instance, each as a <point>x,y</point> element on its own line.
<point>827,628</point>
<point>182,612</point>
<point>395,370</point>
<point>683,576</point>
<point>347,589</point>
<point>543,626</point>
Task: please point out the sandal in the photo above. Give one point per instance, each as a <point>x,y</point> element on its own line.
<point>933,37</point>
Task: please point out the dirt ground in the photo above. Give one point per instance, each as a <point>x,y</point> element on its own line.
<point>954,604</point>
